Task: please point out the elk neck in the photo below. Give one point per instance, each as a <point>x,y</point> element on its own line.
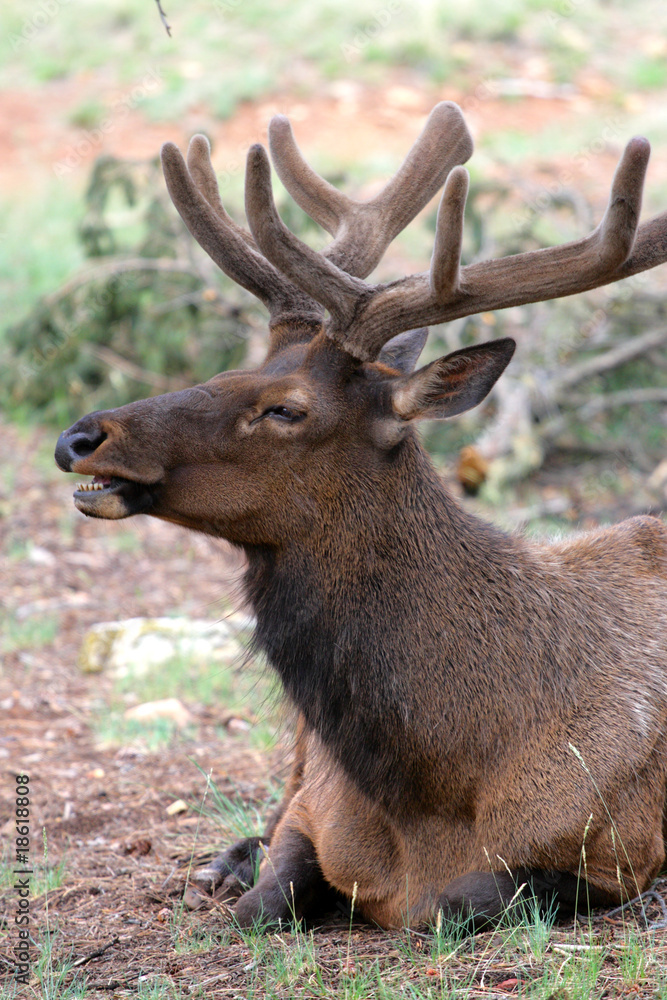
<point>390,628</point>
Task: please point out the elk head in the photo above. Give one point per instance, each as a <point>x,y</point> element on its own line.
<point>259,457</point>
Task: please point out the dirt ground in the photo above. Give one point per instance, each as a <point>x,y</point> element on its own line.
<point>345,117</point>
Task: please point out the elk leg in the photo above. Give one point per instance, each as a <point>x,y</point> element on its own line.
<point>233,872</point>
<point>484,897</point>
<point>290,884</point>
<point>228,875</point>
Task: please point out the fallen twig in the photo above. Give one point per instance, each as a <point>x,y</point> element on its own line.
<point>650,894</point>
<point>94,954</point>
<point>116,266</point>
<point>627,351</point>
<point>567,949</point>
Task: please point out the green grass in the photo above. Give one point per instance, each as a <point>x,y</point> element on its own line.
<point>584,961</point>
<point>250,45</point>
<point>159,987</point>
<point>88,114</point>
<point>45,876</point>
<point>112,729</point>
<point>32,632</point>
<point>54,975</point>
<point>547,961</point>
<point>589,961</point>
<point>237,818</point>
<point>232,686</point>
<point>650,74</point>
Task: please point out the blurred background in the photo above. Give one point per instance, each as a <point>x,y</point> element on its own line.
<point>106,299</point>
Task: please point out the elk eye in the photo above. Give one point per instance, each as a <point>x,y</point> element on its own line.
<point>283,413</point>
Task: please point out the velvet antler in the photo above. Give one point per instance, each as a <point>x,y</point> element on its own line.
<point>296,281</point>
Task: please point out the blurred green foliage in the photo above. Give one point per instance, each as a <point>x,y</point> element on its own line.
<point>137,319</point>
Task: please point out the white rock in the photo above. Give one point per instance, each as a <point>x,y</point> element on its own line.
<point>179,806</point>
<point>167,708</point>
<point>41,556</point>
<point>235,726</point>
<point>135,646</point>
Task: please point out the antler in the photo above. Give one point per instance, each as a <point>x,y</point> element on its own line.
<point>363,317</point>
<point>291,278</point>
<point>364,230</point>
<point>194,191</point>
<point>615,250</point>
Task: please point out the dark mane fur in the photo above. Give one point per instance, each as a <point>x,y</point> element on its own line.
<point>367,671</point>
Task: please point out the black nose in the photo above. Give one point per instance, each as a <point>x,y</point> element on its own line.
<point>74,444</point>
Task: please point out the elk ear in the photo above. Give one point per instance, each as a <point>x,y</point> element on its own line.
<point>402,352</point>
<point>451,384</point>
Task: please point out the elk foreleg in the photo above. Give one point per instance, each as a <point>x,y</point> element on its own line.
<point>289,886</point>
<point>230,874</point>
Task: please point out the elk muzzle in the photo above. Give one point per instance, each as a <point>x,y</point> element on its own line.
<point>80,449</point>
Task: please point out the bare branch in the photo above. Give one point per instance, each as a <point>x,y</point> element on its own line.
<point>116,266</point>
<point>620,355</point>
<point>163,18</point>
<point>624,397</point>
<point>160,382</point>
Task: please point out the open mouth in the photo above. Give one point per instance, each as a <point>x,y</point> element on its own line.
<point>112,497</point>
<point>98,483</point>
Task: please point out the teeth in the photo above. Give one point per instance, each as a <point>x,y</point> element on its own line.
<point>87,487</point>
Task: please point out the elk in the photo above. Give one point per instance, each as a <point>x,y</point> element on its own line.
<point>480,718</point>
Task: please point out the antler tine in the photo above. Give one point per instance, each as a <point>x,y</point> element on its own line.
<point>316,196</point>
<point>621,218</point>
<point>444,143</point>
<point>295,281</point>
<point>201,170</point>
<point>197,200</point>
<point>446,259</point>
<point>337,291</point>
<point>364,230</point>
<point>616,249</point>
